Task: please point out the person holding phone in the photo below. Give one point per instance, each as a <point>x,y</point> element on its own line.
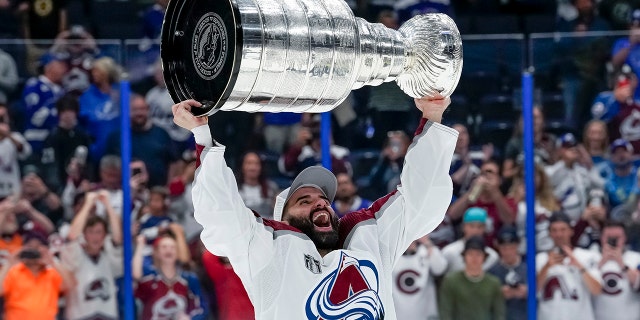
<point>567,277</point>
<point>33,280</point>
<point>621,279</point>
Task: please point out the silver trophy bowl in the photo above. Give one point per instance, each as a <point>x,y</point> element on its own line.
<point>299,55</point>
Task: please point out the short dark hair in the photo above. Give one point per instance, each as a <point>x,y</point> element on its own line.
<point>68,102</point>
<point>614,224</point>
<point>94,220</point>
<point>559,216</point>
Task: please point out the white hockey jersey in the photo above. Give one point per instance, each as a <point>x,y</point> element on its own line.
<point>618,299</point>
<point>564,294</point>
<point>414,287</point>
<point>285,276</point>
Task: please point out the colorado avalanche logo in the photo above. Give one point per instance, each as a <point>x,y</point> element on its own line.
<point>346,293</point>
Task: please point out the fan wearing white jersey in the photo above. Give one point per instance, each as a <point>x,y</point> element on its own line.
<point>567,278</point>
<point>620,299</point>
<point>307,264</point>
<point>414,285</point>
<point>94,255</point>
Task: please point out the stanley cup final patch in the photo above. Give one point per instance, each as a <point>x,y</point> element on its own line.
<point>209,46</point>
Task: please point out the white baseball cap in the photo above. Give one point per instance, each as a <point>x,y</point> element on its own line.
<point>316,177</point>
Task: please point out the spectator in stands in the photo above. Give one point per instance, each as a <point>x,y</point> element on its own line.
<point>473,225</point>
<point>41,21</point>
<point>411,8</point>
<point>567,278</point>
<point>81,50</point>
<point>167,291</point>
<point>619,268</point>
<point>40,197</point>
<point>626,50</point>
<point>13,147</point>
<point>571,181</point>
<point>99,105</point>
<point>152,20</point>
<point>414,285</point>
<point>385,175</point>
<point>94,255</point>
<point>111,181</point>
<point>15,222</point>
<point>307,151</point>
<point>485,193</point>
<point>471,293</point>
<point>39,97</point>
<point>67,141</point>
<point>156,219</point>
<point>543,145</point>
<point>281,129</point>
<point>594,150</point>
<point>180,191</point>
<point>621,181</point>
<point>152,144</point>
<point>8,76</point>
<point>620,109</point>
<point>9,27</point>
<point>33,280</point>
<point>232,299</point>
<point>465,164</point>
<point>582,60</point>
<point>256,190</point>
<point>160,103</point>
<point>347,198</point>
<point>545,204</point>
<point>139,183</point>
<point>511,270</point>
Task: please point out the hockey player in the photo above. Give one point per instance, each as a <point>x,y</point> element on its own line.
<point>307,264</point>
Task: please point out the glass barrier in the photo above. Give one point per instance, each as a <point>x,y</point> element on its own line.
<point>570,71</point>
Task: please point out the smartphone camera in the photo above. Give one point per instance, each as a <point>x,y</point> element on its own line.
<point>612,241</point>
<point>30,254</point>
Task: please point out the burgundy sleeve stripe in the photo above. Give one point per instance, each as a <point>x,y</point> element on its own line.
<point>351,219</point>
<point>199,149</point>
<point>277,225</point>
<point>420,128</point>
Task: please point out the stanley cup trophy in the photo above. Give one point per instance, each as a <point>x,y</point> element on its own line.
<point>299,55</point>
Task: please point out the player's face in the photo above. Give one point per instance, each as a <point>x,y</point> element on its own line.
<point>309,210</point>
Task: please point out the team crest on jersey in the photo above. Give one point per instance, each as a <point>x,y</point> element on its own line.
<point>312,264</point>
<point>349,292</point>
<point>612,283</point>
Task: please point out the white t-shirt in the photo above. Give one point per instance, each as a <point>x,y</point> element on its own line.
<point>564,294</point>
<point>10,180</point>
<point>95,291</point>
<point>618,299</point>
<point>455,261</point>
<point>281,268</point>
<point>414,289</point>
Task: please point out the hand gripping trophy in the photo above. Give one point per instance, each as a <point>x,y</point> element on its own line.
<point>299,55</point>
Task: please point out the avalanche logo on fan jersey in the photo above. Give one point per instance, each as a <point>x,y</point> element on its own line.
<point>347,293</point>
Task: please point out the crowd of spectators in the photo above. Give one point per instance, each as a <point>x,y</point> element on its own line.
<point>61,189</point>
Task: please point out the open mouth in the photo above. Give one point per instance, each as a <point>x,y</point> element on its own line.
<point>321,220</point>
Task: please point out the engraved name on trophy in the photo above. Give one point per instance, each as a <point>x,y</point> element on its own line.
<point>299,55</point>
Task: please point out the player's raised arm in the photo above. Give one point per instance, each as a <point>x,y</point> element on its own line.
<point>421,200</point>
<point>230,228</point>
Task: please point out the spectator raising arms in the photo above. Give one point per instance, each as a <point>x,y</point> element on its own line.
<point>94,255</point>
<point>167,291</point>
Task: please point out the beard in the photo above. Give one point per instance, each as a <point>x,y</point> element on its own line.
<point>323,240</point>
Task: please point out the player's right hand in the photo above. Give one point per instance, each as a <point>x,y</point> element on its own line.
<point>183,117</point>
